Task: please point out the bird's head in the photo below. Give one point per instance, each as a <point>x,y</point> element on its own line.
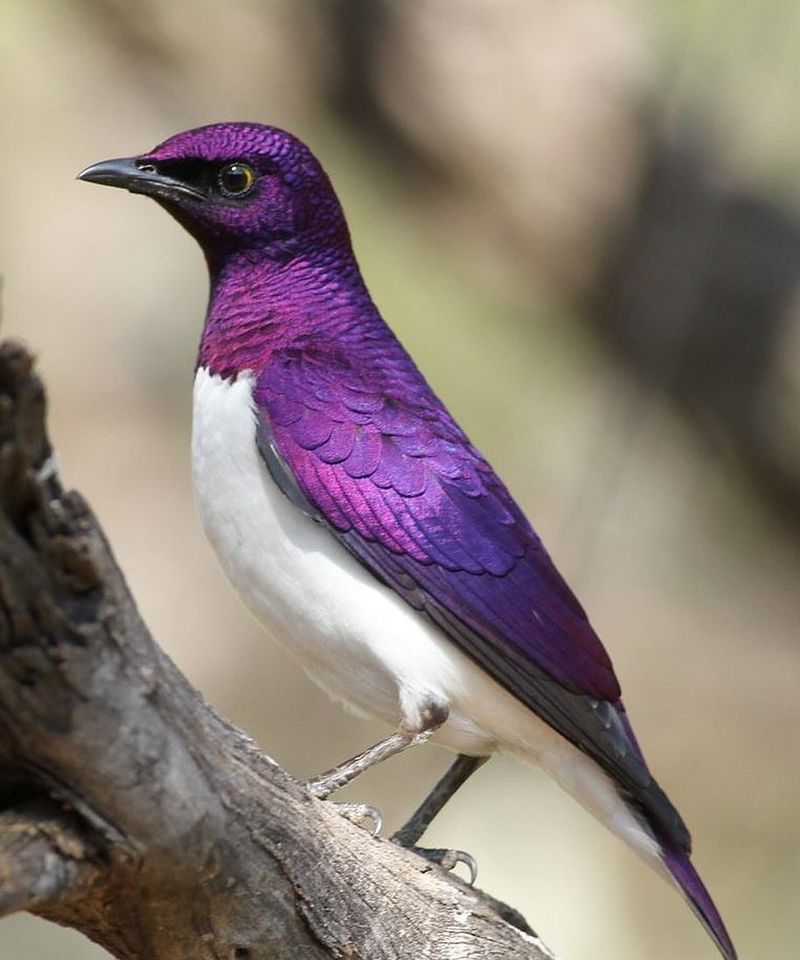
<point>235,186</point>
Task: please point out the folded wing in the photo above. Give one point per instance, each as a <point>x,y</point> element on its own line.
<point>369,451</point>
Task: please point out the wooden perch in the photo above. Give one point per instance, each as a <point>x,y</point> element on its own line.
<point>132,812</point>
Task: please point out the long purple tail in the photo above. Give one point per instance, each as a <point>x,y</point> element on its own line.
<point>677,862</point>
<point>675,858</point>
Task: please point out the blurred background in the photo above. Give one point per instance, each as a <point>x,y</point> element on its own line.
<point>583,219</point>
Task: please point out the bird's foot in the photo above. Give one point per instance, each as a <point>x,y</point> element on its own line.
<point>449,859</point>
<point>358,813</point>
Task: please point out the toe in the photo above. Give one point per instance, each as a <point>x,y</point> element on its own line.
<point>359,812</point>
<point>449,860</point>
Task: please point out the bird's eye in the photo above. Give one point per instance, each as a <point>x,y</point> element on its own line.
<point>236,179</point>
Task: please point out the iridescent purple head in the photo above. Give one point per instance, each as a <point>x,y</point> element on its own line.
<point>235,186</point>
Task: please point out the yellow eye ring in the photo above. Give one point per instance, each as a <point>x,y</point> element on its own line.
<point>236,179</point>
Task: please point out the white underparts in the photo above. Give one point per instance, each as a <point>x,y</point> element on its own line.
<point>355,637</point>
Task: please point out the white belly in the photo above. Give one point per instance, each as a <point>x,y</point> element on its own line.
<point>354,636</point>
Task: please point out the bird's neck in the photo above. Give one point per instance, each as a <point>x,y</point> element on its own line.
<point>261,303</point>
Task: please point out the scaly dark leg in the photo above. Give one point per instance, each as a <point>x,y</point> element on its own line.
<point>408,835</point>
<point>456,775</point>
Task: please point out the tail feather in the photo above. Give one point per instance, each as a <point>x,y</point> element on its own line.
<point>654,832</point>
<point>691,886</point>
<point>675,846</point>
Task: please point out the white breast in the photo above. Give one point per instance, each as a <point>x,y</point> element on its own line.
<point>353,635</point>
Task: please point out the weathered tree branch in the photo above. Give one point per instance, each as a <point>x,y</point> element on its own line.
<point>130,811</point>
<point>44,855</point>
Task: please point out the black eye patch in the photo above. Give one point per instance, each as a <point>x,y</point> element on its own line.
<point>219,180</point>
<point>196,173</point>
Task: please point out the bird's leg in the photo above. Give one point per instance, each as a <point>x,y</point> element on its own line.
<point>332,780</point>
<point>456,775</point>
<point>407,836</point>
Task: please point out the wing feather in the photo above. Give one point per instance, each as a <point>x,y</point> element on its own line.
<point>377,459</point>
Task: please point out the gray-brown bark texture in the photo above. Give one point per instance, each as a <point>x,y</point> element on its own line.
<point>130,811</point>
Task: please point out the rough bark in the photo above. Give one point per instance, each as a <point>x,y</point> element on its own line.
<point>132,812</point>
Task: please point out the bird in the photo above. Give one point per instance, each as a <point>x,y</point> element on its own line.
<point>358,522</point>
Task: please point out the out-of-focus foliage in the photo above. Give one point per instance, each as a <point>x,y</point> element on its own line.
<point>498,163</point>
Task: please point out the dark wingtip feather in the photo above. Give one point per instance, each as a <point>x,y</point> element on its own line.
<point>699,899</point>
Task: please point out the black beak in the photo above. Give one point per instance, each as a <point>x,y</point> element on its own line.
<point>139,176</point>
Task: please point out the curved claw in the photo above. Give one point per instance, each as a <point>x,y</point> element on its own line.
<point>358,812</point>
<point>449,859</point>
<point>452,858</point>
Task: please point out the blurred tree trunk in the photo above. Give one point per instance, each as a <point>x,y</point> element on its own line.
<point>132,812</point>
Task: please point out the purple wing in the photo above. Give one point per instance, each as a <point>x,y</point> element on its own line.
<point>370,451</point>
